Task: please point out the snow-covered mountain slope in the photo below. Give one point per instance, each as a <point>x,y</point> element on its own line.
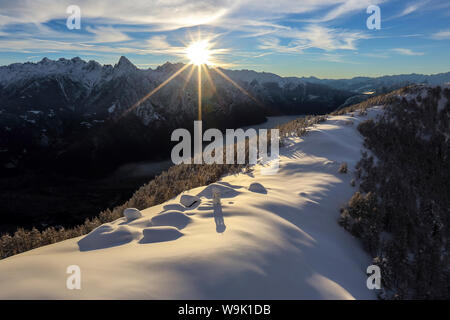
<point>271,237</point>
<point>91,87</point>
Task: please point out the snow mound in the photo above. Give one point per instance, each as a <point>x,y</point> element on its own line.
<point>175,219</point>
<point>107,236</point>
<point>189,201</point>
<point>160,234</point>
<point>132,214</point>
<point>225,189</point>
<point>257,188</point>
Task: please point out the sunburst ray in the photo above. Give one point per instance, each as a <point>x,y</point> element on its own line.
<point>208,76</point>
<point>191,72</point>
<point>236,85</point>
<point>199,71</point>
<point>148,95</point>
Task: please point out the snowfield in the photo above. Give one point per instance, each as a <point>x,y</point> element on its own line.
<point>270,237</point>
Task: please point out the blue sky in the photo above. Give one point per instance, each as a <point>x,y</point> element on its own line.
<point>322,38</point>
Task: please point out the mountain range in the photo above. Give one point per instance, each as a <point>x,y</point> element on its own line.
<point>73,115</point>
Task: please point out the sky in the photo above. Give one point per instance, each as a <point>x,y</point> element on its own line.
<point>321,38</point>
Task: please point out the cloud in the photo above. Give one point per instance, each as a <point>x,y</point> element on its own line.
<point>158,42</point>
<point>328,39</point>
<point>407,52</point>
<point>274,45</point>
<point>412,8</point>
<point>44,46</point>
<point>170,15</point>
<point>107,34</point>
<point>176,13</point>
<point>312,36</point>
<point>346,7</point>
<point>113,25</point>
<point>441,35</point>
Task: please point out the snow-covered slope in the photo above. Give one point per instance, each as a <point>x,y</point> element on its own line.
<point>272,237</point>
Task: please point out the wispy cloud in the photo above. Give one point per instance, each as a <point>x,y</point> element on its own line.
<point>409,9</point>
<point>312,36</point>
<point>407,52</point>
<point>441,35</point>
<point>412,8</point>
<point>274,45</point>
<point>107,34</point>
<point>344,8</point>
<point>170,15</point>
<point>251,18</point>
<point>326,38</point>
<point>160,14</point>
<point>159,42</point>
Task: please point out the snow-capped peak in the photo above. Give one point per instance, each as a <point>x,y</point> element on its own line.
<point>125,65</point>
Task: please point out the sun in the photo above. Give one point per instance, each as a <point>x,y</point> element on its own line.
<point>198,52</point>
<point>202,54</point>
